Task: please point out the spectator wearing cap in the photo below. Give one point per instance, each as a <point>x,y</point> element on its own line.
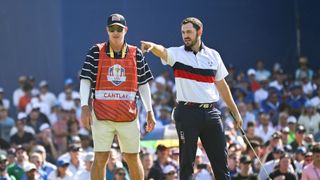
<point>296,100</point>
<point>3,101</point>
<point>147,163</point>
<point>44,165</point>
<point>282,170</point>
<point>312,170</point>
<point>22,136</point>
<point>120,174</point>
<point>274,142</point>
<point>162,160</point>
<point>254,84</point>
<point>298,161</point>
<point>45,140</point>
<point>310,118</point>
<point>165,115</point>
<point>285,135</point>
<point>270,165</point>
<point>265,129</point>
<point>292,124</point>
<point>308,159</point>
<point>66,96</point>
<point>245,171</point>
<point>37,160</point>
<point>261,72</point>
<point>170,172</point>
<point>36,118</point>
<point>86,173</point>
<point>18,93</point>
<point>30,172</point>
<point>6,123</point>
<point>76,163</point>
<point>299,138</point>
<point>3,168</point>
<point>45,95</point>
<point>303,71</point>
<point>86,140</point>
<point>62,172</point>
<point>11,156</point>
<point>17,169</point>
<point>26,98</point>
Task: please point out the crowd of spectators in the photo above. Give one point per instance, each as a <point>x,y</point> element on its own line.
<point>44,139</point>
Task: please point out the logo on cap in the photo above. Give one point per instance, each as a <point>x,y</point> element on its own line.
<point>115,18</point>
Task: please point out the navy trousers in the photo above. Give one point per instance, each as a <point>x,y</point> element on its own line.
<point>193,122</point>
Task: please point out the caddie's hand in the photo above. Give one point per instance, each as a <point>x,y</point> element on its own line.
<point>146,46</point>
<point>151,122</point>
<point>86,118</point>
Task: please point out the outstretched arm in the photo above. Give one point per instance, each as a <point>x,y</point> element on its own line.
<point>156,49</point>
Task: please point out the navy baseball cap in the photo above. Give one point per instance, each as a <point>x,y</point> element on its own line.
<point>117,19</point>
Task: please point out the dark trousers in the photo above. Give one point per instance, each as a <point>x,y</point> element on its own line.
<point>193,122</point>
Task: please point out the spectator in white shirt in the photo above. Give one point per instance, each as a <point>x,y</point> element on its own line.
<point>85,173</point>
<point>18,93</point>
<point>265,129</point>
<point>45,95</point>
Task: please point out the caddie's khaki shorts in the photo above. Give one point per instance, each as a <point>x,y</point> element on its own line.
<point>103,133</point>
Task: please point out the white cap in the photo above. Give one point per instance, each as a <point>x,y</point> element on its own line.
<point>83,132</point>
<point>168,168</point>
<point>251,72</point>
<point>36,105</point>
<point>292,119</point>
<point>22,115</point>
<point>89,156</point>
<point>43,83</point>
<point>1,90</point>
<point>29,166</point>
<point>44,126</point>
<point>160,80</point>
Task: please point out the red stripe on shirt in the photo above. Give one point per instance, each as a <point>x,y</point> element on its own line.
<point>188,75</point>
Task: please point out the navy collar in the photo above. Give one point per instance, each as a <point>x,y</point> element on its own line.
<point>190,50</point>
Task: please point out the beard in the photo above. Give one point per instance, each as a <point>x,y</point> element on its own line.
<point>190,43</point>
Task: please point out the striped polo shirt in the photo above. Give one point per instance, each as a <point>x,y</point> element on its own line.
<point>195,74</point>
<point>90,66</point>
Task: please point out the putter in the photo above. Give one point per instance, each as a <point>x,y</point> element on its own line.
<point>254,152</point>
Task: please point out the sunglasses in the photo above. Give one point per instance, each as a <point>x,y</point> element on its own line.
<point>121,173</point>
<point>171,173</point>
<point>115,28</point>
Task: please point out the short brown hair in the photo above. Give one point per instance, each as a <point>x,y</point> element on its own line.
<point>197,24</point>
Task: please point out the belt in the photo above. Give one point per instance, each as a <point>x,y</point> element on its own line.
<point>198,105</point>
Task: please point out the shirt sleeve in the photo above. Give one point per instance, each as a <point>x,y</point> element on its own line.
<point>171,59</point>
<point>222,71</point>
<point>89,68</point>
<point>143,71</point>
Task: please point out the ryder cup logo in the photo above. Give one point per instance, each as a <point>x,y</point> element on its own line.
<point>116,74</point>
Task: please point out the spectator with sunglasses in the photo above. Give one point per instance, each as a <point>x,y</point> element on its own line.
<point>113,73</point>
